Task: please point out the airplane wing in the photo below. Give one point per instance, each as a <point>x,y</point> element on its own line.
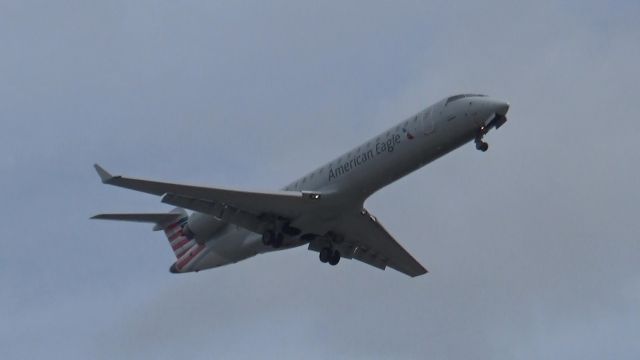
<point>367,240</point>
<point>282,203</point>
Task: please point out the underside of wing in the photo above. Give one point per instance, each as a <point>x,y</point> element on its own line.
<point>365,239</point>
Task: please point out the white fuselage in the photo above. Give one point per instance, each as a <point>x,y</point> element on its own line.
<point>354,176</point>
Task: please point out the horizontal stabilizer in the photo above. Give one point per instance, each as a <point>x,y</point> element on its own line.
<point>154,218</point>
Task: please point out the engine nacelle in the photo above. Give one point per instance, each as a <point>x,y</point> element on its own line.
<point>202,227</point>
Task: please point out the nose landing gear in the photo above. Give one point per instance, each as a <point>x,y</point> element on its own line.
<point>480,144</point>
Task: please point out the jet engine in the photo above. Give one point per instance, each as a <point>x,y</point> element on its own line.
<point>202,227</point>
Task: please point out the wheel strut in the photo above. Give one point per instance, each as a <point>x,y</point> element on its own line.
<point>480,144</point>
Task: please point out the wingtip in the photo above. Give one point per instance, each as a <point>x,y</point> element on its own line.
<point>104,174</point>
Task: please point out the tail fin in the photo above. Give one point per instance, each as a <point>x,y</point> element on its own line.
<point>179,239</point>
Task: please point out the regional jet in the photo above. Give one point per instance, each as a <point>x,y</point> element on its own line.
<point>324,209</point>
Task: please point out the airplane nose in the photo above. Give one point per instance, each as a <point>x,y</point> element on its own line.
<point>501,108</point>
<point>494,114</point>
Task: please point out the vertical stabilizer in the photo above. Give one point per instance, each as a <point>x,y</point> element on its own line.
<point>179,240</point>
<point>182,243</point>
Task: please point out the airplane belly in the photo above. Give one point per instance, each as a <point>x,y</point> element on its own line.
<point>227,249</point>
<point>210,260</point>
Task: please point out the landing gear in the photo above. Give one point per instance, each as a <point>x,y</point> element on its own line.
<point>328,255</point>
<point>290,230</point>
<point>335,258</point>
<point>480,144</point>
<point>325,255</point>
<point>267,237</point>
<point>270,238</point>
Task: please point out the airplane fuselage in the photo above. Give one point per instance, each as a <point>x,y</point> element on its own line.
<point>354,176</point>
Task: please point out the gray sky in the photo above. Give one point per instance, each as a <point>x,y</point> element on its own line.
<point>533,246</point>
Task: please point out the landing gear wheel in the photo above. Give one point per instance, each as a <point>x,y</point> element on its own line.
<point>335,258</point>
<point>325,255</point>
<point>268,238</point>
<point>482,146</point>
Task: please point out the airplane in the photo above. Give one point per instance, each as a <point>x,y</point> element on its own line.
<point>324,209</point>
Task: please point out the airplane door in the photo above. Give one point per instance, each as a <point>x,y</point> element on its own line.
<point>426,119</point>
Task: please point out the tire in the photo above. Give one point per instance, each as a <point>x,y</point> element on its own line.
<point>335,258</point>
<point>325,255</point>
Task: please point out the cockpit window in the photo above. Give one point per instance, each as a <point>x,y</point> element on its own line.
<point>461,96</point>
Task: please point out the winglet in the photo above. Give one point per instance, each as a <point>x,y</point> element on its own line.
<point>104,175</point>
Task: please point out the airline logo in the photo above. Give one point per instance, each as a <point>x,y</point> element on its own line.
<point>177,239</point>
<point>185,248</point>
<point>381,147</point>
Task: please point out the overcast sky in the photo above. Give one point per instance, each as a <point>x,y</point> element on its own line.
<point>533,246</point>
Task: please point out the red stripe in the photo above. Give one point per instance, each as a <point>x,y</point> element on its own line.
<point>189,256</point>
<point>179,244</point>
<point>184,249</point>
<point>175,236</point>
<point>172,226</point>
<point>177,240</point>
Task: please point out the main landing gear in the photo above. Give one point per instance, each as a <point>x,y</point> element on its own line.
<point>480,144</point>
<point>329,255</point>
<point>275,236</point>
<point>271,238</point>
